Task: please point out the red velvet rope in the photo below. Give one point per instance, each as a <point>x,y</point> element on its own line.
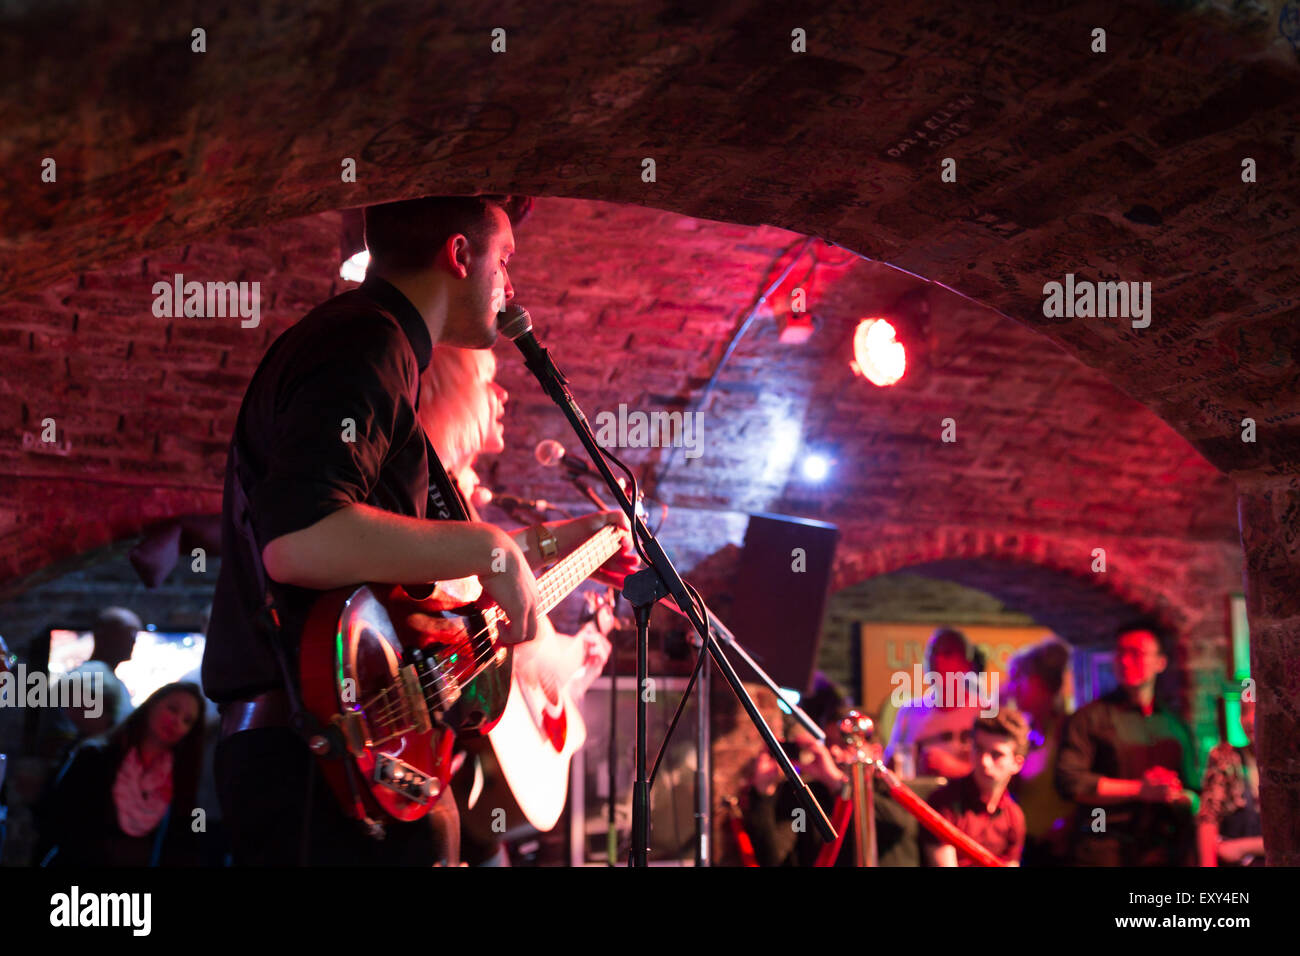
<point>840,819</point>
<point>935,823</point>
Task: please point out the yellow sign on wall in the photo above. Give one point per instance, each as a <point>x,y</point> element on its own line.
<point>887,649</point>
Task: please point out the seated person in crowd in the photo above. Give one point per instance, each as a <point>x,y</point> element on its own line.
<point>978,804</point>
<point>769,815</point>
<point>114,640</point>
<point>1040,684</point>
<point>935,730</point>
<point>129,800</point>
<point>1125,761</point>
<point>769,803</point>
<point>1228,827</point>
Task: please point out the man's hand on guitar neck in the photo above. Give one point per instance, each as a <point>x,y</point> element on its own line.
<point>598,620</point>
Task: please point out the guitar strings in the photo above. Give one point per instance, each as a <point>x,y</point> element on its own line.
<point>479,662</point>
<point>562,579</point>
<point>565,573</point>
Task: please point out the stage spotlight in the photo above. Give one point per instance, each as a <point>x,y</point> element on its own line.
<point>789,696</point>
<point>878,355</point>
<point>816,467</point>
<point>354,269</point>
<point>352,246</point>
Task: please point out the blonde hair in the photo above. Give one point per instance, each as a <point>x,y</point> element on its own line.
<point>454,403</point>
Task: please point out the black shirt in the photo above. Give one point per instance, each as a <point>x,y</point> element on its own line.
<point>329,419</point>
<point>1111,737</point>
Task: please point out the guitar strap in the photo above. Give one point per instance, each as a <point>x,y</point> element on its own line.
<point>445,500</point>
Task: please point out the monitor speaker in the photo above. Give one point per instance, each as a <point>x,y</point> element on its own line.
<point>780,594</point>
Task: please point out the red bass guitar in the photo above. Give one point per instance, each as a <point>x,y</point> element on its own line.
<point>400,675</point>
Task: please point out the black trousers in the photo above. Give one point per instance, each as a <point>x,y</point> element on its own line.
<point>281,812</point>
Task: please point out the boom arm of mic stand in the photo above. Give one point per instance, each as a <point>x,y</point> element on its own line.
<point>669,581</point>
<point>720,631</point>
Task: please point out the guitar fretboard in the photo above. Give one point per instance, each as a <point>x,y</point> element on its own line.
<point>561,580</point>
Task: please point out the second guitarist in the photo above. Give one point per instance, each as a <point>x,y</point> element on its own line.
<point>463,418</point>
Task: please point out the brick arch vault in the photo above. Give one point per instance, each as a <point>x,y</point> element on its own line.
<point>1050,578</point>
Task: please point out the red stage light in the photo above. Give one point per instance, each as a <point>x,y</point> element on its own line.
<point>878,355</point>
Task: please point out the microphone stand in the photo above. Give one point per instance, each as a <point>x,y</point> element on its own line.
<point>643,590</point>
<point>721,633</point>
<point>703,753</point>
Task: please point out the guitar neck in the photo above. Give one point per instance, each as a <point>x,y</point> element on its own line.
<point>563,579</point>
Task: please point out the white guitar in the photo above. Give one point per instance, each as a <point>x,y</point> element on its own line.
<point>542,727</point>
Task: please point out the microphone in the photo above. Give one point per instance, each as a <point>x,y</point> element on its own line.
<point>517,325</point>
<point>483,497</point>
<point>550,453</point>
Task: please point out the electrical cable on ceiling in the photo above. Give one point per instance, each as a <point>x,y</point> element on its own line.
<point>670,458</point>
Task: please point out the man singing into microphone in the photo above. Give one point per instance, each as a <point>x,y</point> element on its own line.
<point>329,452</point>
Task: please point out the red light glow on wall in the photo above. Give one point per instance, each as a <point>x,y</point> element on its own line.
<point>878,355</point>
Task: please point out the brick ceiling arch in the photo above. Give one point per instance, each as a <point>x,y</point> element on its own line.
<point>1029,569</point>
<point>1124,163</point>
<point>1044,443</point>
<point>1085,610</point>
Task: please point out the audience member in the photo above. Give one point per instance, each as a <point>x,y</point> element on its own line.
<point>1041,685</point>
<point>1125,761</point>
<point>782,837</point>
<point>114,639</point>
<point>128,800</point>
<point>933,731</point>
<point>769,802</point>
<point>978,804</point>
<point>1228,826</point>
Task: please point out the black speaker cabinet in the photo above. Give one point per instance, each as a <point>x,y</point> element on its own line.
<point>780,594</point>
